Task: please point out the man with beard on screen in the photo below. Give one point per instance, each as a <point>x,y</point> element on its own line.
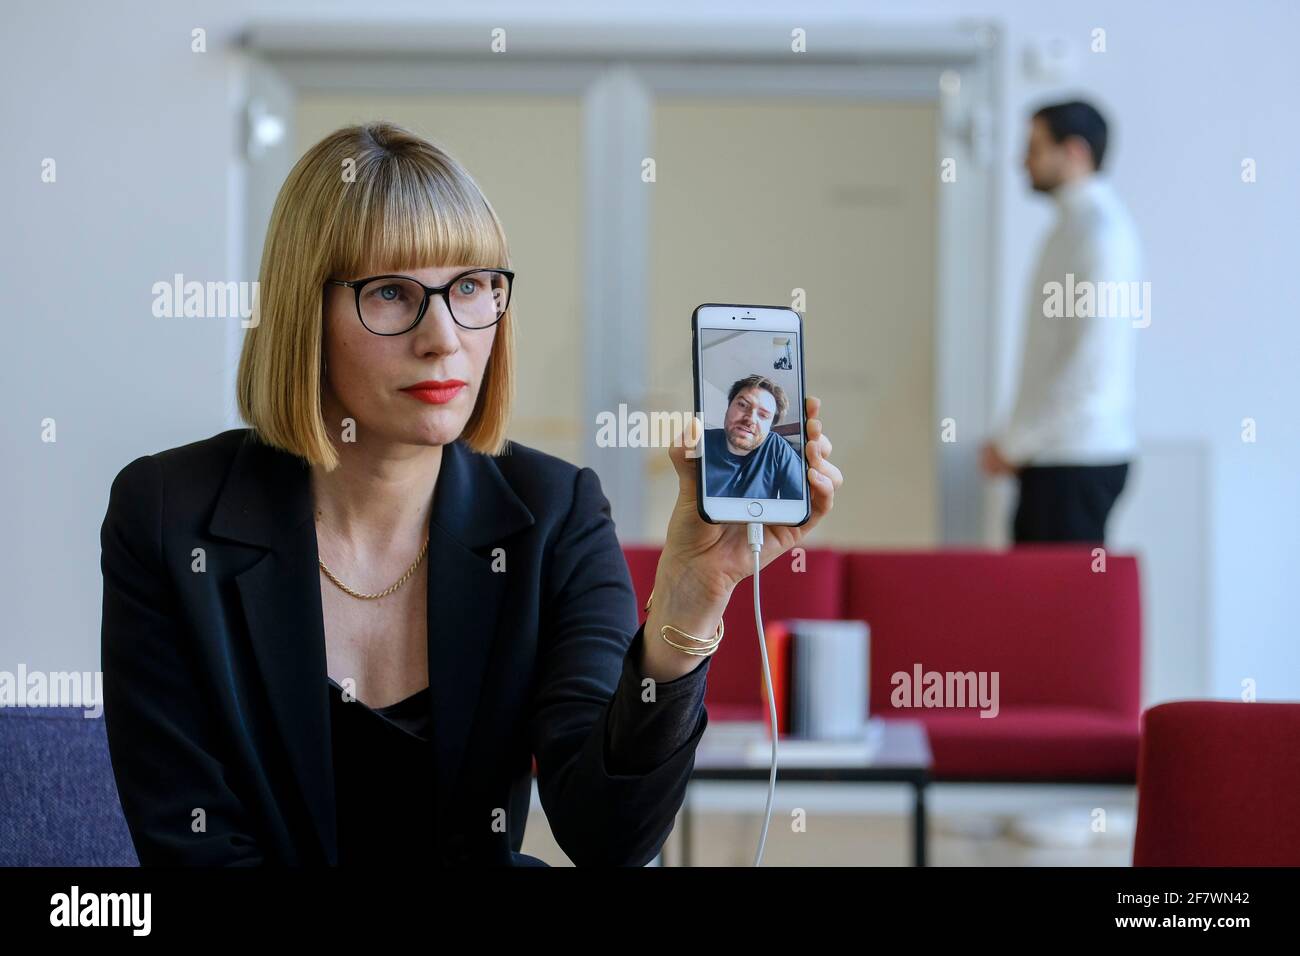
<point>743,458</point>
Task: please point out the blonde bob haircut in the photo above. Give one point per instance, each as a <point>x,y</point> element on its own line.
<point>365,200</point>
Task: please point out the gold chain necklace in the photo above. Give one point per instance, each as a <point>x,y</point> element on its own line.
<point>388,590</point>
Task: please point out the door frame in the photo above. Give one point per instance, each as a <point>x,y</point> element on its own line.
<point>617,69</point>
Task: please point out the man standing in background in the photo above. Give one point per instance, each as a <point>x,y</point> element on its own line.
<point>1071,434</point>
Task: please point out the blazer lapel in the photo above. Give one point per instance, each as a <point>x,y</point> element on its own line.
<point>266,502</point>
<point>474,509</point>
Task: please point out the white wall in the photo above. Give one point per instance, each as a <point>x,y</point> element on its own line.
<point>139,127</point>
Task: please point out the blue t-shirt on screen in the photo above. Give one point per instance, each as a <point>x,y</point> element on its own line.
<point>772,470</point>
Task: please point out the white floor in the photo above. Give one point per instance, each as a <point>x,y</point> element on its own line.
<point>871,825</point>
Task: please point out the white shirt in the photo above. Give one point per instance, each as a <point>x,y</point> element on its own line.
<point>1076,401</point>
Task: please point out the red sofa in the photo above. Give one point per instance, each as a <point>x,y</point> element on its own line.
<point>1064,639</point>
<point>1218,785</point>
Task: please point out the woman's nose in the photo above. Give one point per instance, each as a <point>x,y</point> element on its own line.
<point>437,331</point>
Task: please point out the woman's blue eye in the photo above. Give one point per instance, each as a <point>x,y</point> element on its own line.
<point>472,285</point>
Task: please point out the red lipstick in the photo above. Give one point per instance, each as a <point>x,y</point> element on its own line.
<point>434,392</point>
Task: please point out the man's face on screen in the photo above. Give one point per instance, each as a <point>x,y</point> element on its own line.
<point>749,419</point>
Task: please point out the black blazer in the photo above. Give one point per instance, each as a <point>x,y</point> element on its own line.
<point>215,690</point>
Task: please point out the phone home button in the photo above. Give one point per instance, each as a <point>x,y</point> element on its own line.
<point>755,508</point>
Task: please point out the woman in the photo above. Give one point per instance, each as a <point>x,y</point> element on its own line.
<point>342,634</point>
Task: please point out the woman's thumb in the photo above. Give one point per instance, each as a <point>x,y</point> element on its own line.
<point>684,451</point>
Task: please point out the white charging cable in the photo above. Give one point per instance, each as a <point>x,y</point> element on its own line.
<point>755,530</point>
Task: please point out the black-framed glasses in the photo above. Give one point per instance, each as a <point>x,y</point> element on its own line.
<point>394,304</point>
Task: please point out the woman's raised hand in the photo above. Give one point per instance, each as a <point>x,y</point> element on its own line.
<point>716,557</point>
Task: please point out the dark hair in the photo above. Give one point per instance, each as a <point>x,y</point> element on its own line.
<point>760,381</point>
<point>1077,118</point>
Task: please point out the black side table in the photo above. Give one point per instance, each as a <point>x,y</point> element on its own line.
<point>903,756</point>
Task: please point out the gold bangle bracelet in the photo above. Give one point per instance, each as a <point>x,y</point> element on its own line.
<point>701,652</point>
<point>706,645</point>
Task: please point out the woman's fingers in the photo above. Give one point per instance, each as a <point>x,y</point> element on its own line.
<point>823,477</point>
<point>822,472</point>
<point>823,499</point>
<point>830,473</point>
<point>813,404</point>
<point>818,437</point>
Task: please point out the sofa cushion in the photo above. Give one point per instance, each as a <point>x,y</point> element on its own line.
<point>58,799</point>
<point>1056,632</point>
<point>1031,743</point>
<point>1219,783</point>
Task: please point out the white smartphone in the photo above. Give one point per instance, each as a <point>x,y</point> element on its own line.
<point>749,394</point>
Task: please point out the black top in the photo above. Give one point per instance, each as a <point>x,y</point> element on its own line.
<point>383,766</point>
<point>215,689</point>
<point>383,779</point>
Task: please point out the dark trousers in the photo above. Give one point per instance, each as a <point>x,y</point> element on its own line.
<point>1066,502</point>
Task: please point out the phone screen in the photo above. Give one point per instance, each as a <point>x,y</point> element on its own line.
<point>750,395</point>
